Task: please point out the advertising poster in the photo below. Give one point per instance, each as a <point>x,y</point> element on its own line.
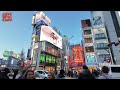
<point>91,59</point>
<point>48,34</point>
<point>77,55</point>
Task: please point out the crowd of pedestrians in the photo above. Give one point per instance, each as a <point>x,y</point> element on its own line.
<point>62,74</point>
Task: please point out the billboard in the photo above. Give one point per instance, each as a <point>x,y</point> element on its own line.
<point>48,34</point>
<point>7,53</point>
<point>77,55</point>
<point>90,58</point>
<point>40,17</point>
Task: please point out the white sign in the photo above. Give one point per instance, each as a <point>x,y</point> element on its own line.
<point>96,18</point>
<point>48,34</point>
<point>41,16</point>
<point>88,44</point>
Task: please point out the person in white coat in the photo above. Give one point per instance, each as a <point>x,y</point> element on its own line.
<point>105,75</point>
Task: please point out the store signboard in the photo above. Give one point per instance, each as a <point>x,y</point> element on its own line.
<point>77,55</point>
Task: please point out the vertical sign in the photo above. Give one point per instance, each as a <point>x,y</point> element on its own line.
<point>77,55</point>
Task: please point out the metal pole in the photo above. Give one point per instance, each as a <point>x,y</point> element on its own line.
<point>39,53</point>
<point>110,55</point>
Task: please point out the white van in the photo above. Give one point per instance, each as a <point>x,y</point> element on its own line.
<point>114,71</point>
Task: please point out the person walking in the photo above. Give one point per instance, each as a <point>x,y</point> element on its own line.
<point>105,75</point>
<point>51,75</point>
<point>86,74</point>
<point>61,75</point>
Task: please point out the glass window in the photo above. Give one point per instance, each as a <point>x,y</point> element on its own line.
<point>102,45</point>
<point>100,36</point>
<point>47,58</point>
<point>41,72</point>
<point>89,49</point>
<point>87,32</point>
<point>88,40</point>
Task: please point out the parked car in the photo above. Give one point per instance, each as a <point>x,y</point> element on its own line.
<point>43,74</point>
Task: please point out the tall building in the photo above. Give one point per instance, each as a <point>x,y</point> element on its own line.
<point>100,37</point>
<point>50,43</point>
<point>88,43</point>
<point>66,51</point>
<point>110,21</point>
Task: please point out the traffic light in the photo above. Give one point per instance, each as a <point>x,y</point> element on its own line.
<point>110,44</point>
<point>116,44</point>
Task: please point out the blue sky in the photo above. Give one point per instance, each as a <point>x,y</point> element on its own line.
<point>16,35</point>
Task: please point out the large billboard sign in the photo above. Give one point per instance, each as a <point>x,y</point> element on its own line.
<point>48,34</point>
<point>77,55</point>
<point>39,18</point>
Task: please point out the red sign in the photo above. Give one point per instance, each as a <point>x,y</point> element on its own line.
<point>7,17</point>
<point>78,55</point>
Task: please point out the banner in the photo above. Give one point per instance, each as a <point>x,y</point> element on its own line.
<point>77,55</point>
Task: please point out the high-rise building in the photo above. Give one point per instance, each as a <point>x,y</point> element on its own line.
<point>88,43</point>
<point>110,23</point>
<point>100,37</point>
<point>66,51</point>
<point>50,43</point>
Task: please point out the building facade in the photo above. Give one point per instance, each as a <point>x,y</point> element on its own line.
<point>66,51</point>
<point>50,44</point>
<point>109,22</point>
<point>88,43</point>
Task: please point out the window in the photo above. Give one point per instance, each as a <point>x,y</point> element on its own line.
<point>88,40</point>
<point>89,49</point>
<point>87,32</point>
<point>102,46</point>
<point>104,56</point>
<point>100,36</point>
<point>41,72</point>
<point>115,69</point>
<point>46,72</point>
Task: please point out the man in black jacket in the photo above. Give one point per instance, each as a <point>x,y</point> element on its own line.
<point>86,74</point>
